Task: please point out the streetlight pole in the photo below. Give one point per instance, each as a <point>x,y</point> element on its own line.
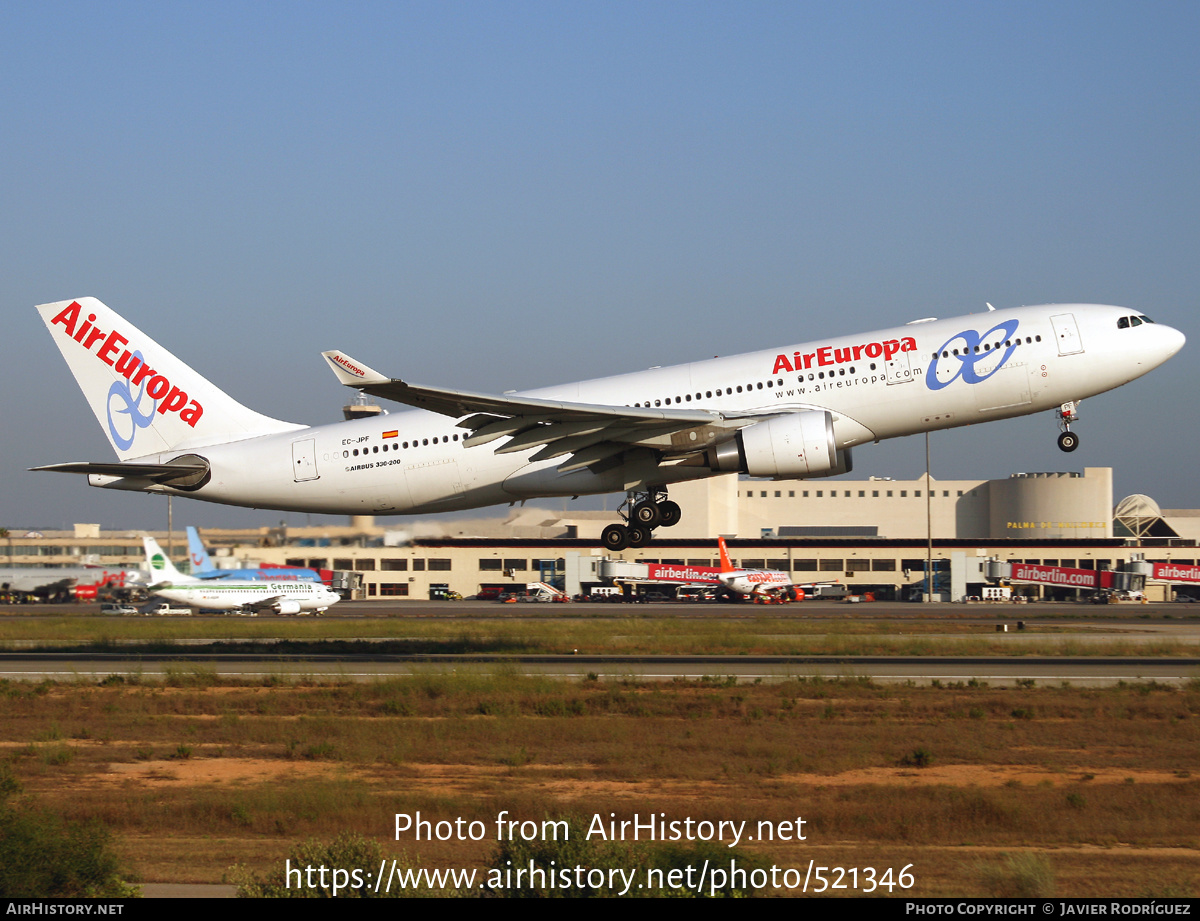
<point>928,526</point>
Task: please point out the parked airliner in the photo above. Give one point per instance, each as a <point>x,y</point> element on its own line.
<point>757,583</point>
<point>288,597</point>
<point>790,411</point>
<point>82,582</point>
<point>202,567</point>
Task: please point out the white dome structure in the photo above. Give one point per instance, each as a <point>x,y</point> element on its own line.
<point>1142,517</point>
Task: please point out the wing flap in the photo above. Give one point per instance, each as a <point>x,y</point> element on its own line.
<point>593,455</point>
<point>540,435</point>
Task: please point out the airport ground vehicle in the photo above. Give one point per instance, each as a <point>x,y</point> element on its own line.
<point>117,608</point>
<point>166,609</point>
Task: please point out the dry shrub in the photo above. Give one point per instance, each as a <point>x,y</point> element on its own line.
<point>1025,875</point>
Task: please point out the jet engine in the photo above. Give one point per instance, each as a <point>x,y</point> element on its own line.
<point>287,607</point>
<point>796,445</point>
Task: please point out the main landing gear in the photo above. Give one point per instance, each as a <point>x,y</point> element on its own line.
<point>647,511</point>
<point>1067,413</point>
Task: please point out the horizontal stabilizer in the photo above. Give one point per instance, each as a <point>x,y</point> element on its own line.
<point>160,473</point>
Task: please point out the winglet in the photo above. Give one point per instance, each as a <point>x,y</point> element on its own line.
<point>726,566</point>
<point>350,372</point>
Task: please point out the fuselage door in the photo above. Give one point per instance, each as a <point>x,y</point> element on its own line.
<point>304,460</point>
<point>1066,331</point>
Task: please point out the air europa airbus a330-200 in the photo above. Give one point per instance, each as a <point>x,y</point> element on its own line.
<point>783,413</point>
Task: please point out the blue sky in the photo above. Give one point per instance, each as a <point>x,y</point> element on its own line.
<point>495,196</point>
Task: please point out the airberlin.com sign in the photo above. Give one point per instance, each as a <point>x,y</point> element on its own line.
<point>1170,572</point>
<point>666,572</point>
<point>1054,575</point>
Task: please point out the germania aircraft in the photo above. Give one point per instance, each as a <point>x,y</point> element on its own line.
<point>227,595</point>
<point>202,567</point>
<point>788,412</point>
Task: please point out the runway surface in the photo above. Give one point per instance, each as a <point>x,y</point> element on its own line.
<point>1087,624</point>
<point>1000,672</point>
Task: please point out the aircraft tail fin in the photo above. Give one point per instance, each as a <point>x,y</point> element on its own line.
<point>197,554</point>
<point>160,565</point>
<point>147,400</point>
<point>726,566</point>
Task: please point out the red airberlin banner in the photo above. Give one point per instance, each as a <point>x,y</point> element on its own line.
<point>670,572</point>
<point>1170,572</point>
<point>1058,575</point>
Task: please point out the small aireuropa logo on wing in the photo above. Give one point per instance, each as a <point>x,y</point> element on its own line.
<point>352,368</point>
<point>131,365</point>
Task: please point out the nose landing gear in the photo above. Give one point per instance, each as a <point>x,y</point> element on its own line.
<point>647,511</point>
<point>1067,414</point>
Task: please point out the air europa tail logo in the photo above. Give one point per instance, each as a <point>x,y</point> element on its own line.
<point>166,397</point>
<point>830,355</point>
<point>353,369</point>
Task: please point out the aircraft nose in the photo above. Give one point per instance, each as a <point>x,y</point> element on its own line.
<point>1173,340</point>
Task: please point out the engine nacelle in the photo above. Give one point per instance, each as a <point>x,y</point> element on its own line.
<point>797,445</point>
<point>287,607</point>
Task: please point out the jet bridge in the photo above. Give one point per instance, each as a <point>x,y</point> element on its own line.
<point>658,573</point>
<point>1067,577</point>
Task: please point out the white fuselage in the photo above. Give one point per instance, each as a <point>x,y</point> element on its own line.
<point>31,579</point>
<point>755,581</point>
<point>287,597</point>
<point>877,385</point>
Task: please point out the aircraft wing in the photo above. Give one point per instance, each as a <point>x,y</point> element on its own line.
<point>264,604</point>
<point>586,431</point>
<point>34,580</point>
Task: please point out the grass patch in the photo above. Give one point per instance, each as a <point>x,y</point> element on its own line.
<point>1026,875</point>
<point>315,759</point>
<point>588,630</point>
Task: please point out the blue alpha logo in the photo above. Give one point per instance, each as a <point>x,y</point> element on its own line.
<point>129,406</point>
<point>972,356</point>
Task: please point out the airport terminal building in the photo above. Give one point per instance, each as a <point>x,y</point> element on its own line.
<point>870,534</point>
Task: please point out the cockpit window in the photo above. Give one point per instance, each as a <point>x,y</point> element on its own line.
<point>1135,321</point>
<point>1145,319</point>
<point>1123,323</point>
